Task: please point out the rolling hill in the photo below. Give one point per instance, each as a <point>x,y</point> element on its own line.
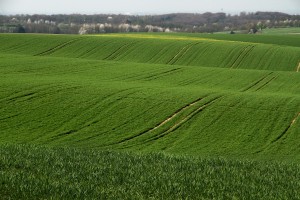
<point>150,92</point>
<point>185,95</point>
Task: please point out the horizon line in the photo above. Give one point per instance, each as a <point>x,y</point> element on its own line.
<point>149,13</point>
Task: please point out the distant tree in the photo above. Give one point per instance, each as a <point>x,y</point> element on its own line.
<point>20,29</point>
<point>178,22</point>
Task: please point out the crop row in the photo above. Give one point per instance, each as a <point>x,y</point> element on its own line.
<point>114,105</point>
<point>204,52</point>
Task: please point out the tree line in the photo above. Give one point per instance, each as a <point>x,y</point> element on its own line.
<point>177,22</point>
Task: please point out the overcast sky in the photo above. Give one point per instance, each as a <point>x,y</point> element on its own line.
<point>145,6</point>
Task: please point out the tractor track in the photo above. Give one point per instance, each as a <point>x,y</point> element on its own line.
<point>161,123</point>
<point>95,103</point>
<point>257,82</point>
<point>197,54</point>
<point>120,125</point>
<point>287,129</point>
<point>280,136</point>
<point>174,126</point>
<point>58,47</point>
<point>214,121</point>
<point>266,83</point>
<point>241,56</point>
<point>159,54</point>
<point>162,74</point>
<point>90,51</point>
<point>182,122</point>
<point>117,53</point>
<point>181,53</point>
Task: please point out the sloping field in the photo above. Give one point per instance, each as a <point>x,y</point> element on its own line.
<point>157,49</point>
<point>277,36</point>
<point>178,109</point>
<point>183,96</point>
<point>290,31</point>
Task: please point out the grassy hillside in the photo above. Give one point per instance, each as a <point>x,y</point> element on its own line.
<point>275,36</point>
<point>157,49</point>
<point>178,109</point>
<point>149,116</point>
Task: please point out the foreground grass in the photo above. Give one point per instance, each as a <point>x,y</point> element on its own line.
<point>33,172</point>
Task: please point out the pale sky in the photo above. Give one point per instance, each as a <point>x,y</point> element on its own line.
<point>145,6</point>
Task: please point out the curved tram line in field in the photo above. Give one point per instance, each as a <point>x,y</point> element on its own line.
<point>282,134</point>
<point>181,53</point>
<point>261,83</point>
<point>56,48</point>
<point>94,103</point>
<point>244,52</point>
<point>288,128</point>
<point>179,122</point>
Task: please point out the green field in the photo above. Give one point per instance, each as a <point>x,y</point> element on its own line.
<point>90,174</point>
<point>217,108</point>
<point>294,30</point>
